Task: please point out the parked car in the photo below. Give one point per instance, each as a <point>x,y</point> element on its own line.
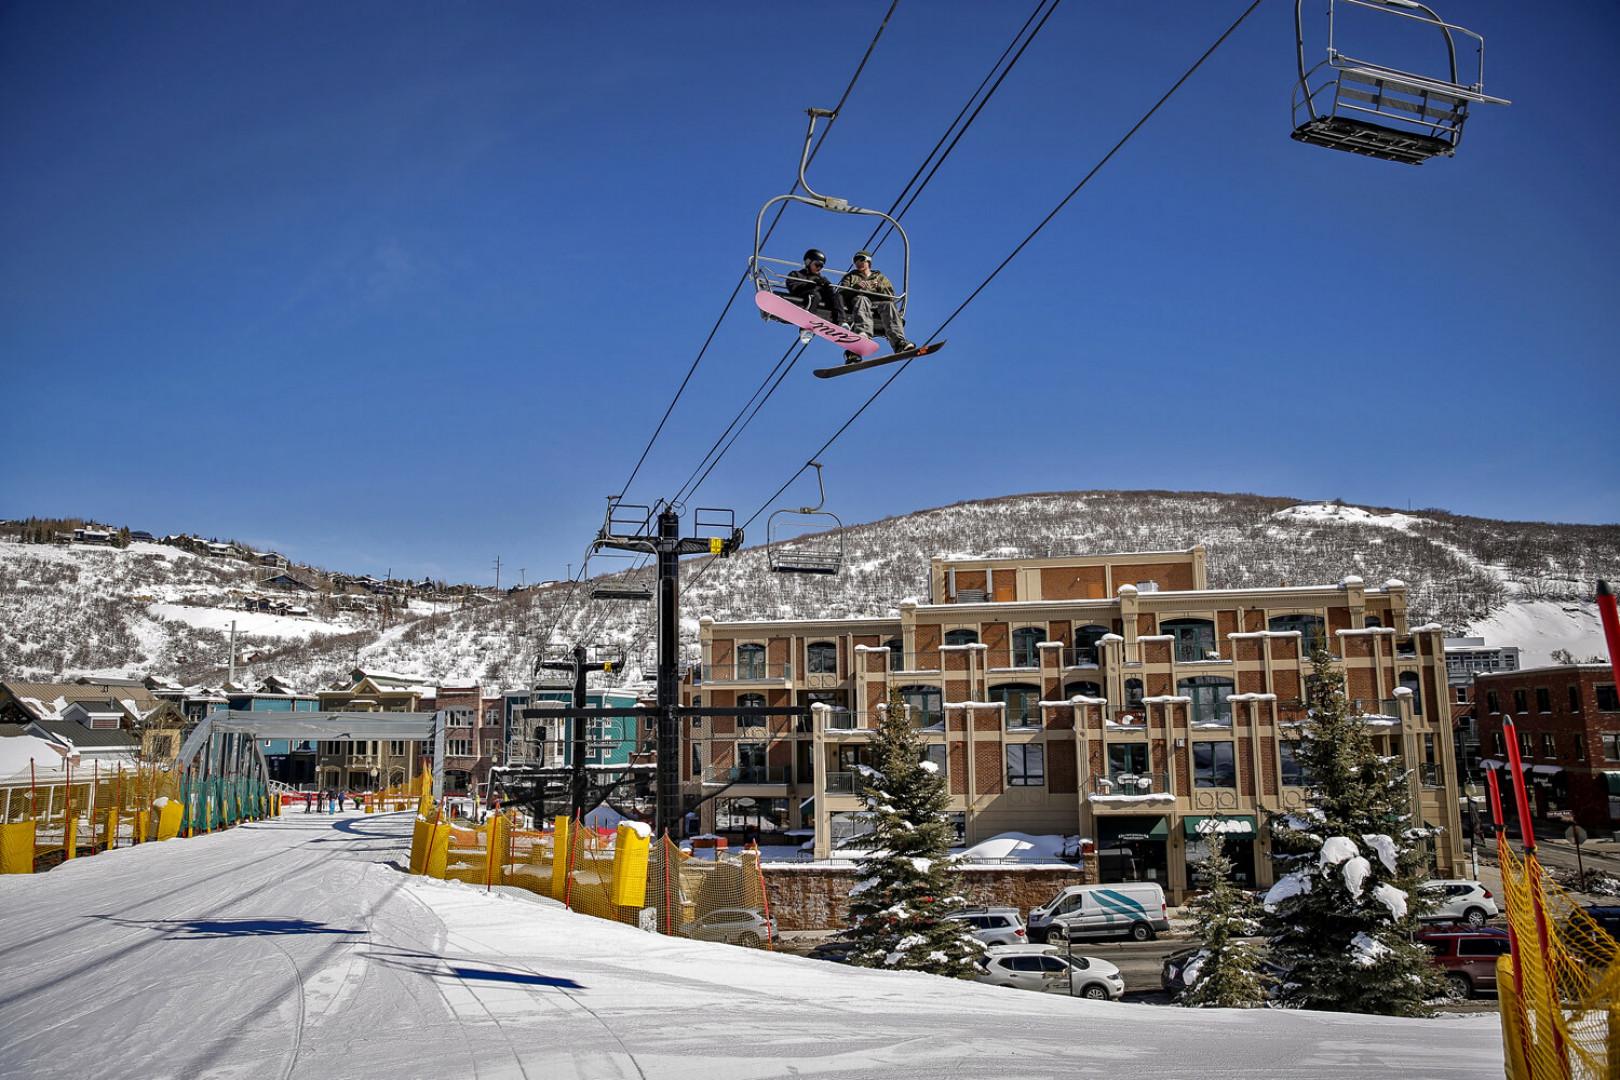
<point>1459,900</point>
<point>994,925</point>
<point>734,926</point>
<point>1468,957</point>
<point>1172,973</point>
<point>1044,969</point>
<point>1133,909</point>
<point>1607,918</point>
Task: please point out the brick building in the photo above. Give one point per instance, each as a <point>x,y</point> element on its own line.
<point>1567,717</point>
<point>1115,697</point>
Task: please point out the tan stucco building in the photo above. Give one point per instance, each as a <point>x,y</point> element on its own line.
<point>1113,697</point>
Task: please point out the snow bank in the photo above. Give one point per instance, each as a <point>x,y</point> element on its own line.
<point>16,751</point>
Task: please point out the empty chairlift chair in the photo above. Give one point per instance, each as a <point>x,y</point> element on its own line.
<point>808,540</point>
<point>1381,111</point>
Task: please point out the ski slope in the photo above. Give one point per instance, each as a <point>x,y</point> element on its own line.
<point>298,948</point>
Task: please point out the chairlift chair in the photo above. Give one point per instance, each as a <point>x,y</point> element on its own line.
<point>620,590</point>
<point>1363,107</point>
<point>769,273</point>
<point>788,548</point>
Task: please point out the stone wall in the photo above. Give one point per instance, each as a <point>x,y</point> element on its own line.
<point>816,897</point>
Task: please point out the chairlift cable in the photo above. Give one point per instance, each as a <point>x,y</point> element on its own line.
<point>685,491</point>
<point>848,89</point>
<point>689,488</point>
<point>817,455</point>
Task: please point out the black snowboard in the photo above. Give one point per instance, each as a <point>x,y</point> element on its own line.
<point>878,361</point>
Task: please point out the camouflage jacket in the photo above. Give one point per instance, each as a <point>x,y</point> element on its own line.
<point>876,282</point>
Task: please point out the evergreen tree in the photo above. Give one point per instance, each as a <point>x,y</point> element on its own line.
<point>1225,973</point>
<point>1341,918</point>
<point>897,912</point>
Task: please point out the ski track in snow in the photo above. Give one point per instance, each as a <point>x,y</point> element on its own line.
<point>299,948</point>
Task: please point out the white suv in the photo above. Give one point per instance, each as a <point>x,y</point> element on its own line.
<point>993,925</point>
<point>1043,968</point>
<point>1459,900</point>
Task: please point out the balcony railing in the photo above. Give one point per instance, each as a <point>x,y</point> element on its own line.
<point>725,673</point>
<point>748,774</point>
<point>1376,706</point>
<point>841,719</point>
<point>1082,656</point>
<point>1204,714</point>
<point>845,783</point>
<point>1127,785</point>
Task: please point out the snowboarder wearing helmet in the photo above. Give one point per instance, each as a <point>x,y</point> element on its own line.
<point>819,296</point>
<point>872,299</point>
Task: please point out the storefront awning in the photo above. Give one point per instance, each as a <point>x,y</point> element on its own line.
<point>1614,782</point>
<point>1117,830</point>
<point>1234,825</point>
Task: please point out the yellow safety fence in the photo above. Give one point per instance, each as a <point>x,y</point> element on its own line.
<point>1561,1005</point>
<point>623,875</point>
<point>67,814</point>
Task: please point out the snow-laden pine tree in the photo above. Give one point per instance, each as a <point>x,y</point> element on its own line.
<point>897,911</point>
<point>1340,919</point>
<point>1225,973</point>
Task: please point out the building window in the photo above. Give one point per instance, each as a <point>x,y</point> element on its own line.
<point>1214,765</point>
<point>1127,759</point>
<point>1548,750</point>
<point>1082,689</point>
<point>1524,745</point>
<point>1208,694</point>
<point>458,747</point>
<point>1021,700</point>
<point>897,654</point>
<point>925,704</point>
<point>1580,747</point>
<point>1500,742</point>
<point>1606,700</point>
<point>1025,646</point>
<point>750,661</point>
<point>1026,765</point>
<point>751,701</point>
<point>1574,697</point>
<point>1085,643</point>
<point>1543,700</point>
<point>1372,621</point>
<point>697,761</point>
<point>822,658</point>
<point>1521,701</point>
<point>751,763</point>
<point>1133,693</point>
<point>1492,704</point>
<point>1312,635</point>
<point>1194,638</point>
<point>939,754</point>
<point>1462,695</point>
<point>1293,769</point>
<point>1409,680</point>
<point>1611,747</point>
<point>961,637</point>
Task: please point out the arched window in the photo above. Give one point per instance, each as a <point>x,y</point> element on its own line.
<point>1410,680</point>
<point>961,637</point>
<point>1021,700</point>
<point>751,701</point>
<point>1372,621</point>
<point>750,661</point>
<point>1208,693</point>
<point>1085,643</point>
<point>925,702</point>
<point>821,658</point>
<point>1025,646</point>
<point>1195,638</point>
<point>1312,633</point>
<point>897,654</point>
<point>1133,693</point>
<point>1082,689</point>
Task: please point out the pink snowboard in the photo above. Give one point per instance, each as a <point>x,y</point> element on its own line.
<point>788,311</point>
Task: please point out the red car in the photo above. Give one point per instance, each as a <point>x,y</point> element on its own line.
<point>1468,958</point>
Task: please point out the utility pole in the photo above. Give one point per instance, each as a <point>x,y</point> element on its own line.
<point>668,546</point>
<point>231,666</point>
<point>522,579</point>
<point>497,573</point>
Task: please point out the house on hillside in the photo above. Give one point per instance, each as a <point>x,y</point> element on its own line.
<point>270,559</point>
<point>142,535</point>
<point>285,580</point>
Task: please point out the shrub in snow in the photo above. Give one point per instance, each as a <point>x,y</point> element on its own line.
<point>897,913</point>
<point>1226,972</point>
<point>1340,918</point>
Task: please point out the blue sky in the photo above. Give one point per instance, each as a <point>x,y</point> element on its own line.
<point>405,286</point>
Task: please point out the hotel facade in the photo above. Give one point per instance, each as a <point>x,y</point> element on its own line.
<point>1115,698</point>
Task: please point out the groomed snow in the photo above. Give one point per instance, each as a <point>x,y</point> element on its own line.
<point>297,948</point>
<point>1540,626</point>
<point>258,624</point>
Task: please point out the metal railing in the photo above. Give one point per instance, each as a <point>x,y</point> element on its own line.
<point>1129,783</point>
<point>845,783</point>
<point>1201,713</point>
<point>748,774</point>
<point>1082,656</point>
<point>746,672</point>
<point>841,719</point>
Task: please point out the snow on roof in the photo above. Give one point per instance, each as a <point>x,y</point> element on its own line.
<point>17,751</point>
<point>1017,847</point>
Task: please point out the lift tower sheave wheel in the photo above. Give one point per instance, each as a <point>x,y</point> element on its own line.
<point>1377,110</point>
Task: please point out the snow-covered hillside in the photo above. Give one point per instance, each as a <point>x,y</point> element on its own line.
<point>152,608</point>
